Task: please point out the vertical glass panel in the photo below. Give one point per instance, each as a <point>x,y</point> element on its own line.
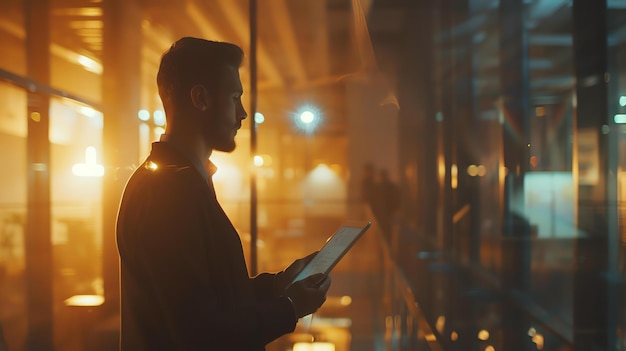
<point>12,35</point>
<point>488,119</point>
<point>13,131</point>
<point>616,19</point>
<point>75,49</point>
<point>549,186</point>
<point>76,211</point>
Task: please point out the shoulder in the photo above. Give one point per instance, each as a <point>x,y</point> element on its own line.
<point>164,183</point>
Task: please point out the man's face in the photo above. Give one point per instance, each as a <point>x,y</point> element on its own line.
<point>226,113</point>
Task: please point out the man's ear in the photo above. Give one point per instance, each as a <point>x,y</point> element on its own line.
<point>200,97</point>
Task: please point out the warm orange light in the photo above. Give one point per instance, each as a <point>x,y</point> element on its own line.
<point>481,171</point>
<point>345,300</point>
<point>314,346</point>
<point>454,336</point>
<point>90,64</point>
<point>483,335</point>
<point>85,300</point>
<point>472,170</point>
<point>430,337</point>
<point>440,324</point>
<point>454,176</point>
<point>538,340</point>
<point>152,166</point>
<point>540,111</point>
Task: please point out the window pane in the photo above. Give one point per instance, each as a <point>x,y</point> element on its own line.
<point>13,127</point>
<point>12,34</point>
<point>76,209</point>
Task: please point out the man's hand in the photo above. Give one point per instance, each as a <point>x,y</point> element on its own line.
<point>308,294</point>
<point>284,278</point>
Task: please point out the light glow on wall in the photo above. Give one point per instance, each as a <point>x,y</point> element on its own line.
<point>85,300</point>
<point>90,64</point>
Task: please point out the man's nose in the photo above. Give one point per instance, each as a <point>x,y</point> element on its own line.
<point>242,112</point>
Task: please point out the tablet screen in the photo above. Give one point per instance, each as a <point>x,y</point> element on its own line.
<point>334,249</point>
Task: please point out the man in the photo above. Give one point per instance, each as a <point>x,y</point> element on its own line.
<point>184,281</point>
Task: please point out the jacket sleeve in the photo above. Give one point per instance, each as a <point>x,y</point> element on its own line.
<point>172,251</point>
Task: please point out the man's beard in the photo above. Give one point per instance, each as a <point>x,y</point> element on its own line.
<point>220,141</point>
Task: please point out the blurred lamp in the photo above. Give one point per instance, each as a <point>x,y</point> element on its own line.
<point>259,118</point>
<point>143,115</point>
<point>314,346</point>
<point>85,300</point>
<point>90,168</point>
<point>307,118</point>
<point>159,118</point>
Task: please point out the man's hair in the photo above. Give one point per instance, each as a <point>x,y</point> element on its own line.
<point>191,61</point>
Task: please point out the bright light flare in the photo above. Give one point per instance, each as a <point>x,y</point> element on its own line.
<point>307,117</point>
<point>90,64</point>
<point>483,335</point>
<point>258,160</point>
<point>90,168</point>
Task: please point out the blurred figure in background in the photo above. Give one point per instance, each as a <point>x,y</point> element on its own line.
<point>387,201</point>
<point>368,185</point>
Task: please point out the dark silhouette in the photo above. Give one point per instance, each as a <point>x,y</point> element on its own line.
<point>387,201</point>
<point>184,280</point>
<point>368,184</point>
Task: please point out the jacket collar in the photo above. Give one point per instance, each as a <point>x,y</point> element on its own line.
<point>167,151</point>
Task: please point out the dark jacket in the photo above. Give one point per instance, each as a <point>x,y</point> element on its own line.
<point>185,285</point>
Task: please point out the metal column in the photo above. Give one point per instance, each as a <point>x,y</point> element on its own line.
<point>38,242</point>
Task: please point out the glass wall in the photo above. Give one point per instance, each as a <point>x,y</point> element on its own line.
<point>13,213</point>
<point>528,249</point>
<point>616,21</point>
<point>12,34</point>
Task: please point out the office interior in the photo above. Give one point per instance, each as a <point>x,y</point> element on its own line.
<point>501,122</point>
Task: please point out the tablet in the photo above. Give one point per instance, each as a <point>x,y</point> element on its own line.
<point>333,250</point>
